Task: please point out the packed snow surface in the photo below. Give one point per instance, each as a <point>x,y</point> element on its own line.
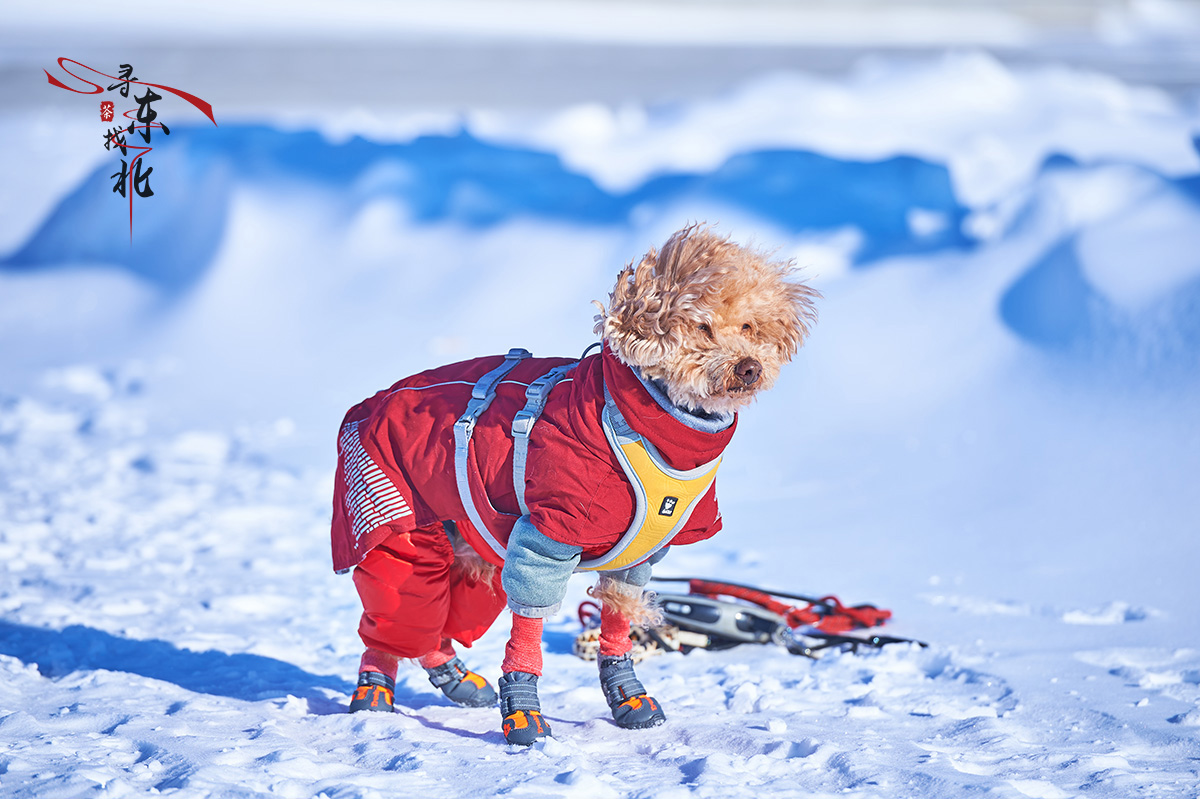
<point>994,432</point>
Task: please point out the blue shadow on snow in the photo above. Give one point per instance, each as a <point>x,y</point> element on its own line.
<point>57,653</point>
<point>1054,306</point>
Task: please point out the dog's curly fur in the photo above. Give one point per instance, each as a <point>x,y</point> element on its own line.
<point>630,601</point>
<point>469,563</point>
<point>696,314</point>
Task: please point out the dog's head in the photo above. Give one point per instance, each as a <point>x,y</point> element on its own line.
<point>710,319</point>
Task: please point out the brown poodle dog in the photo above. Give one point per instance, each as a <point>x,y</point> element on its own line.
<point>551,466</point>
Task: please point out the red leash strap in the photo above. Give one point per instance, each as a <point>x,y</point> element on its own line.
<point>842,618</point>
<point>829,615</point>
<point>711,588</point>
<point>589,614</point>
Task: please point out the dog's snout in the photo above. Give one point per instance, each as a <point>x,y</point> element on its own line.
<point>748,371</point>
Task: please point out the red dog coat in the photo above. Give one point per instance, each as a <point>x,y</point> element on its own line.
<point>395,481</point>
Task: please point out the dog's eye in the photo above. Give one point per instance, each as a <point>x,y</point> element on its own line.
<point>705,329</point>
<point>746,328</point>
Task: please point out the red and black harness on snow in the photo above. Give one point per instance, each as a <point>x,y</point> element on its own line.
<point>715,614</point>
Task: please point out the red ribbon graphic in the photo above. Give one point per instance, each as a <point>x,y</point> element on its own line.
<point>204,107</point>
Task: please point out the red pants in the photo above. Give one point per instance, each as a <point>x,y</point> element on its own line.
<point>413,599</point>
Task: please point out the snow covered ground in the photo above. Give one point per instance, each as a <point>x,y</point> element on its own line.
<point>994,432</point>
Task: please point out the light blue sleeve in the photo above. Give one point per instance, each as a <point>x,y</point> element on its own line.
<point>639,574</point>
<point>536,571</point>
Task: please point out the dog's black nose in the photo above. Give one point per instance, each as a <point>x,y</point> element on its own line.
<point>748,371</point>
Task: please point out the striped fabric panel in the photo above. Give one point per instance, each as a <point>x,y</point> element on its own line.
<point>371,498</point>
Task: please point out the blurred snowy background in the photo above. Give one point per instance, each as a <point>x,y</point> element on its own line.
<point>995,429</point>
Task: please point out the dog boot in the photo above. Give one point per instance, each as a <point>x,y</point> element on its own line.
<point>461,685</point>
<point>631,707</point>
<point>375,692</point>
<point>521,710</point>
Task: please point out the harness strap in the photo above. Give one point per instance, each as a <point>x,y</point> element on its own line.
<point>482,394</point>
<point>535,402</point>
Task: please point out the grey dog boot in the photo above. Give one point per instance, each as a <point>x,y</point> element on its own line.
<point>632,707</point>
<point>521,710</point>
<point>461,685</point>
<point>375,692</point>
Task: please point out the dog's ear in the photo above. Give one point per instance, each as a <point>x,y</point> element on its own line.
<point>692,262</point>
<point>795,313</point>
<point>653,299</point>
<point>634,322</point>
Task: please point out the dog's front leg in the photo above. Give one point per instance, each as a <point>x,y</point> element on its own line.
<point>535,575</point>
<point>621,600</point>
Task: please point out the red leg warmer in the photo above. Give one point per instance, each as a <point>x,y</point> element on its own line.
<point>377,660</point>
<point>614,633</point>
<point>438,657</point>
<point>524,649</point>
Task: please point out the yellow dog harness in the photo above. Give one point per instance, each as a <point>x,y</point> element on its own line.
<point>665,496</point>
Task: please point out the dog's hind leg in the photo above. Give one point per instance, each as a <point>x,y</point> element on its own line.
<point>475,601</point>
<point>376,682</point>
<point>415,601</point>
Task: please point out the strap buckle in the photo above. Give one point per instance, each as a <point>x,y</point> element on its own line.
<point>522,424</point>
<point>484,390</point>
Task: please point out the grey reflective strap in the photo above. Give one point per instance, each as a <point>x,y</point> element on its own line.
<point>536,397</point>
<point>482,394</point>
<point>451,671</point>
<point>518,691</point>
<point>618,680</point>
